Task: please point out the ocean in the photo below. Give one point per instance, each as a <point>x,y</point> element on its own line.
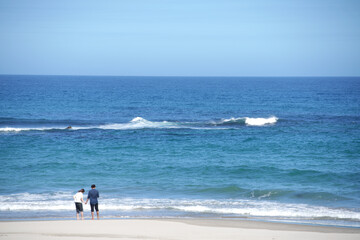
<point>271,148</point>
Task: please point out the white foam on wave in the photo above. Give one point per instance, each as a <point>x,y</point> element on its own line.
<point>136,123</point>
<point>250,121</point>
<point>249,208</point>
<point>233,120</point>
<point>141,123</point>
<point>260,121</point>
<point>13,129</point>
<point>268,209</point>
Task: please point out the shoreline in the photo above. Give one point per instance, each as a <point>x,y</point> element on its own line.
<point>170,229</point>
<point>188,219</point>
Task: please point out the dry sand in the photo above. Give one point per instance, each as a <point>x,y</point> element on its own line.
<point>194,229</point>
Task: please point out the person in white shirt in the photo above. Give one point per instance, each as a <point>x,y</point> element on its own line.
<point>78,198</point>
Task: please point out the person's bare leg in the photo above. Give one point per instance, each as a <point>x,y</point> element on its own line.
<point>97,213</point>
<point>77,216</point>
<point>82,215</point>
<point>92,215</point>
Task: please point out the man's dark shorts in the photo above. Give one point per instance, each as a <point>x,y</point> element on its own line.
<point>79,207</point>
<point>96,206</point>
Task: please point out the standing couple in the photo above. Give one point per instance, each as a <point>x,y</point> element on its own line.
<point>93,195</point>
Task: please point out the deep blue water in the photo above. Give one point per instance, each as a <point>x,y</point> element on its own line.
<point>271,148</point>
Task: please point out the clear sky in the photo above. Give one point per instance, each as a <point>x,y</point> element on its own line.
<point>180,38</point>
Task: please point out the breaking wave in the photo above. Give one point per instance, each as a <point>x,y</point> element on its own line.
<point>250,121</point>
<point>231,207</point>
<point>141,123</point>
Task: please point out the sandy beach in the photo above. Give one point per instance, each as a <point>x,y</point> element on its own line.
<point>170,229</point>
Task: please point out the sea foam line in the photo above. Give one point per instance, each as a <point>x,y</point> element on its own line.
<point>141,123</point>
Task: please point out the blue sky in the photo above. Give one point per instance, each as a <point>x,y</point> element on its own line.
<point>180,38</point>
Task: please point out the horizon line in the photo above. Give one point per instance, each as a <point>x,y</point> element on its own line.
<point>182,76</point>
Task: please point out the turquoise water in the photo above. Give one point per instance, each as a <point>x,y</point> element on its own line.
<point>282,149</point>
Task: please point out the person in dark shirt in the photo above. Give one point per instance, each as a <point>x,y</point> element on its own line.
<point>93,195</point>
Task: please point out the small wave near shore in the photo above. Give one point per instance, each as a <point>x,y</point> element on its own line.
<point>35,204</point>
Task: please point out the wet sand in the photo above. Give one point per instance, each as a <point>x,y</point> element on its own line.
<point>194,229</point>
